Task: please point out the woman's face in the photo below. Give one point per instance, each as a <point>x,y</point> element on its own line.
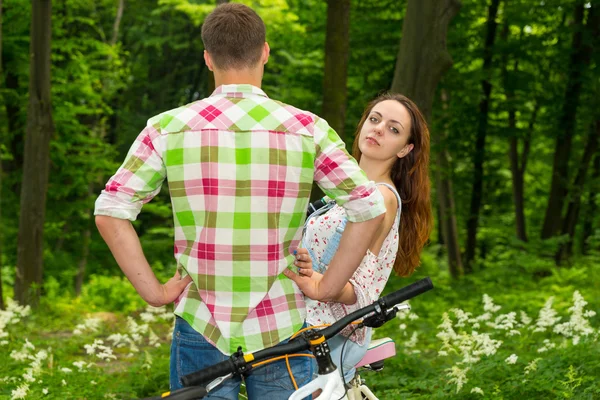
<point>384,135</point>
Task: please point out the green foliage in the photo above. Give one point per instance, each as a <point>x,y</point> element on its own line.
<point>111,293</point>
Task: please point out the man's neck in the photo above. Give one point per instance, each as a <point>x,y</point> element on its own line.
<point>238,77</point>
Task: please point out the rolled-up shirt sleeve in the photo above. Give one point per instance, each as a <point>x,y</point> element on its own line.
<point>337,173</point>
<point>137,180</point>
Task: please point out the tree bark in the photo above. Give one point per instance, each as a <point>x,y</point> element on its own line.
<point>517,168</point>
<point>81,267</point>
<point>580,55</point>
<point>117,23</point>
<point>479,151</point>
<point>447,224</point>
<point>592,208</point>
<point>40,129</point>
<point>422,61</point>
<point>337,51</point>
<point>574,206</point>
<point>423,58</point>
<point>1,173</point>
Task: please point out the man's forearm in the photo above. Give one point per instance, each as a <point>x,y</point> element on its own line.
<point>125,246</point>
<point>353,246</point>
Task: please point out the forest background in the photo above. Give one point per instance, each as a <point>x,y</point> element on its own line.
<point>511,90</point>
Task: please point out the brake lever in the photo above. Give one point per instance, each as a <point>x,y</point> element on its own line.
<point>381,317</point>
<point>217,382</point>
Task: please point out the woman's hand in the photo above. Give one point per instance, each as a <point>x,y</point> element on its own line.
<point>307,279</point>
<point>303,262</point>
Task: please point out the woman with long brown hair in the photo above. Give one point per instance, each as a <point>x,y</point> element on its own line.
<point>392,147</point>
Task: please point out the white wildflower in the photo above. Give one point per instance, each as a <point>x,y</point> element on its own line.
<point>488,304</point>
<point>442,353</point>
<point>402,327</point>
<point>64,383</point>
<point>412,342</point>
<point>45,390</point>
<point>90,325</point>
<point>532,366</point>
<point>512,359</point>
<point>28,376</point>
<point>153,339</point>
<point>504,322</point>
<point>66,370</point>
<point>525,320</point>
<point>93,383</point>
<point>461,316</point>
<point>458,376</point>
<point>578,325</point>
<point>477,390</point>
<point>20,392</point>
<point>547,346</point>
<point>547,317</point>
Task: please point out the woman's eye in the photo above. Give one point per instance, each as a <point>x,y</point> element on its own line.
<point>373,119</point>
<point>395,130</point>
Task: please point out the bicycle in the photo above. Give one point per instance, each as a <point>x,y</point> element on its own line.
<point>198,384</point>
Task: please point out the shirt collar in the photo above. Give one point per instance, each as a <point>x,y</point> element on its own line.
<point>238,90</point>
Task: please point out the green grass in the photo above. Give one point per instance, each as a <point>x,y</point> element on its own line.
<point>514,281</point>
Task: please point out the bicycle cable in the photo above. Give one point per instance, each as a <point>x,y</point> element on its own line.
<point>342,362</point>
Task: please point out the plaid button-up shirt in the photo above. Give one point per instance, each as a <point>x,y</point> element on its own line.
<point>240,167</point>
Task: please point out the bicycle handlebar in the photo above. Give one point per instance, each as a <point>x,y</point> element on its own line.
<point>231,365</point>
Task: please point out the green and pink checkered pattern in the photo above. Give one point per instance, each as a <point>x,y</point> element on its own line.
<point>240,167</point>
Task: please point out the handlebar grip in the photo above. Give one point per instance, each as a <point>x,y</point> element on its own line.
<point>207,375</point>
<point>407,292</point>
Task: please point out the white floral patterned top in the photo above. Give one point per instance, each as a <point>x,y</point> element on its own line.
<point>368,280</point>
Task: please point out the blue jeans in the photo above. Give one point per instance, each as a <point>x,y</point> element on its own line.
<point>353,353</point>
<point>191,352</point>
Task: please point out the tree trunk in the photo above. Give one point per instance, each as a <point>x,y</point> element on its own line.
<point>447,224</point>
<point>479,151</point>
<point>1,172</point>
<point>553,220</point>
<point>117,23</point>
<point>337,51</point>
<point>592,208</point>
<point>574,206</point>
<point>81,266</point>
<point>517,170</point>
<point>423,58</point>
<point>210,79</point>
<point>40,129</point>
<point>422,61</point>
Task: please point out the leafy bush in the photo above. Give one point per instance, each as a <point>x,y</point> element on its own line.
<point>111,293</point>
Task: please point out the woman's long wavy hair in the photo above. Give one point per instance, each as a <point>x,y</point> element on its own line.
<point>410,175</point>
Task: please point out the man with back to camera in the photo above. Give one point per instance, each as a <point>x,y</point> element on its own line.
<point>240,168</point>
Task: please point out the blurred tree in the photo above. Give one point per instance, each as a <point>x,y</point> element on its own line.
<point>445,193</point>
<point>482,128</point>
<point>337,50</point>
<point>40,128</point>
<point>566,127</point>
<point>422,61</point>
<point>1,171</point>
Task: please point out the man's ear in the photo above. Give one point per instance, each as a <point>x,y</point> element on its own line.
<point>208,60</point>
<point>265,53</point>
<point>405,150</point>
